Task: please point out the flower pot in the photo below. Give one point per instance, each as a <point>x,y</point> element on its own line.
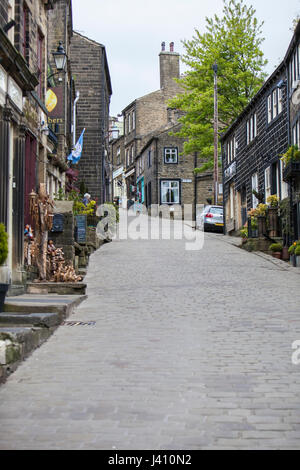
<point>273,222</point>
<point>285,254</point>
<point>297,261</point>
<point>3,292</point>
<point>277,255</point>
<point>262,225</point>
<point>293,260</point>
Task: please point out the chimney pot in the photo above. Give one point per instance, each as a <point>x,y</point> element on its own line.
<point>163,46</point>
<point>172,47</point>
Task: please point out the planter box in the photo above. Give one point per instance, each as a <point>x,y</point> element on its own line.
<point>291,171</point>
<point>293,260</point>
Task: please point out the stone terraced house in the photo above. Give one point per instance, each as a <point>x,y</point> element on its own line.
<point>253,148</point>
<point>24,144</point>
<point>154,164</point>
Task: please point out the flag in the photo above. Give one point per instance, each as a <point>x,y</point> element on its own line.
<point>75,156</point>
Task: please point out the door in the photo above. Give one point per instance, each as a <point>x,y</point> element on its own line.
<point>30,174</point>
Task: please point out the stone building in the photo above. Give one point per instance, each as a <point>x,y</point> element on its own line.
<point>61,87</point>
<point>252,149</point>
<point>254,145</point>
<point>117,152</point>
<point>92,80</point>
<point>23,118</point>
<point>165,175</point>
<point>148,114</point>
<point>153,158</point>
<point>292,171</point>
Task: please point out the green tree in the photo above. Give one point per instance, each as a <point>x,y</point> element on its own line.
<point>234,43</point>
<point>3,244</point>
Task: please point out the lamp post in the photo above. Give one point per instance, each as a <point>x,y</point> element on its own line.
<point>60,60</point>
<point>216,138</point>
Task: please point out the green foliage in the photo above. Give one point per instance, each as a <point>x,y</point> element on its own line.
<point>294,247</point>
<point>80,209</point>
<point>244,232</point>
<point>3,245</point>
<point>276,247</point>
<point>291,155</point>
<point>273,201</point>
<point>70,196</point>
<point>233,41</point>
<point>297,251</point>
<point>261,210</point>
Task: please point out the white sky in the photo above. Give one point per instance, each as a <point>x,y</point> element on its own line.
<point>133,30</point>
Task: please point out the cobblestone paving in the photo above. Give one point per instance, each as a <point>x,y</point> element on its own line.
<point>190,350</point>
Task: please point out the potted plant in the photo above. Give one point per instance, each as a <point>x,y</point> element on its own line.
<point>297,256</point>
<point>292,252</point>
<point>273,203</point>
<point>261,214</point>
<point>4,272</point>
<point>276,249</point>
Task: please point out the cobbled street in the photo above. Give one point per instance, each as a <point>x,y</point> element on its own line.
<point>190,350</point>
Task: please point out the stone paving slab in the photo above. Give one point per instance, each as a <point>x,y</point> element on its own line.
<point>189,350</point>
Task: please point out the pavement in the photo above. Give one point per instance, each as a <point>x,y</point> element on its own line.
<point>172,350</point>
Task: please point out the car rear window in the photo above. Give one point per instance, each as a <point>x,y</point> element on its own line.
<point>216,210</point>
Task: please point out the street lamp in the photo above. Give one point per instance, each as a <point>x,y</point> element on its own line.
<point>216,138</point>
<point>60,58</point>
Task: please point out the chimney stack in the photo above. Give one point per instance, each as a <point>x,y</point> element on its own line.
<point>169,66</point>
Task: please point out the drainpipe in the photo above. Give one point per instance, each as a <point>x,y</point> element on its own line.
<point>74,118</point>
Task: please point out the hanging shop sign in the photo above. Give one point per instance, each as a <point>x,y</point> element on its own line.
<point>130,173</point>
<point>54,105</point>
<point>118,172</point>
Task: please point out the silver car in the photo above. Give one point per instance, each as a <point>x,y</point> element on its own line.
<point>212,219</point>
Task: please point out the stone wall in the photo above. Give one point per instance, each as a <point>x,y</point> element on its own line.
<point>265,149</point>
<point>91,74</point>
<point>65,239</point>
<point>183,171</point>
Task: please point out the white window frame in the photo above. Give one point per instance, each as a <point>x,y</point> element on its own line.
<point>132,154</point>
<point>232,198</point>
<point>254,182</point>
<point>251,128</point>
<point>269,108</point>
<point>268,183</point>
<point>275,103</point>
<point>168,185</point>
<point>284,186</point>
<point>171,153</point>
<point>280,100</point>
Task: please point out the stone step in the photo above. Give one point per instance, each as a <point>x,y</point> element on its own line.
<point>16,344</point>
<point>63,305</point>
<point>61,288</point>
<point>42,320</point>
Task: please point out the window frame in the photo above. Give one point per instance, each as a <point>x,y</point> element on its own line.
<point>166,149</point>
<point>170,181</point>
<point>251,128</point>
